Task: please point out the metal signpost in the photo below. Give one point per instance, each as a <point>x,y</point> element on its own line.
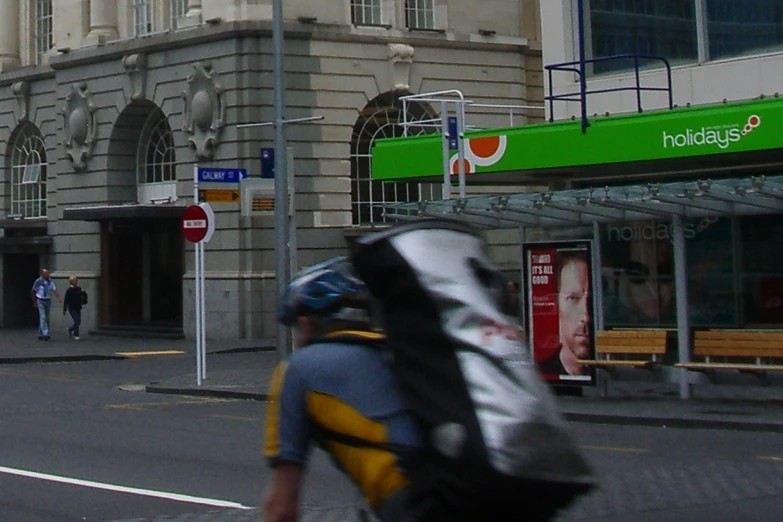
<point>268,172</point>
<point>198,225</point>
<point>282,232</point>
<point>282,276</point>
<point>282,219</point>
<point>284,216</point>
<point>192,230</point>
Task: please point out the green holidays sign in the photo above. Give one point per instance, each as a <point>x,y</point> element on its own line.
<point>679,133</point>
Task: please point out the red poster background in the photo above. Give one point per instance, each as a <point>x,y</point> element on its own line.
<point>542,284</point>
<point>542,308</point>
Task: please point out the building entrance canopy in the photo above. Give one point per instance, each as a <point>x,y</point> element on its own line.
<point>707,198</point>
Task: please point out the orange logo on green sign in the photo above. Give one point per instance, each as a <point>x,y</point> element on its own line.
<point>480,152</point>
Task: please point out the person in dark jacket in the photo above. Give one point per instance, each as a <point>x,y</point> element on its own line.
<point>72,303</point>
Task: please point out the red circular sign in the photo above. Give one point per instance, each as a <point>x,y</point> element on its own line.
<point>195,223</point>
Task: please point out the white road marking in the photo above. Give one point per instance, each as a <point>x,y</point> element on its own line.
<point>177,497</point>
<point>773,459</point>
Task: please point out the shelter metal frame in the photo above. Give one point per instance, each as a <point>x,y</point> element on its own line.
<point>673,201</point>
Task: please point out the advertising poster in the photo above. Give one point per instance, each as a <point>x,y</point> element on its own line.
<point>638,273</point>
<point>560,307</point>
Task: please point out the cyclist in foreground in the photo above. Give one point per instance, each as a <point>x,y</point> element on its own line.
<point>437,420</point>
<point>336,392</point>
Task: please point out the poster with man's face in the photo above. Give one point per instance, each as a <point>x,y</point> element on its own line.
<point>560,309</point>
<point>637,261</point>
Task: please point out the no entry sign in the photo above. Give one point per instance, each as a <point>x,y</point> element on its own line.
<point>198,223</point>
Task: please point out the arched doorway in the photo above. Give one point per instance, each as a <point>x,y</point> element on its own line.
<point>383,118</point>
<point>25,202</point>
<point>142,256</point>
<point>142,156</point>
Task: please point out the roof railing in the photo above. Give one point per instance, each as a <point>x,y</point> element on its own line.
<point>579,67</point>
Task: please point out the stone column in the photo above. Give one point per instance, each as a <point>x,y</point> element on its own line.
<point>9,35</point>
<point>103,21</point>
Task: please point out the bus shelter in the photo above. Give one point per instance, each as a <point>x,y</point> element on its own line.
<point>669,201</point>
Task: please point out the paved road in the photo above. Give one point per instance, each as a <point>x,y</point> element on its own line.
<point>80,420</point>
<point>70,422</point>
<point>650,473</point>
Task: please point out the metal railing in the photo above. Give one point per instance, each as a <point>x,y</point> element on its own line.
<point>453,129</point>
<point>579,67</point>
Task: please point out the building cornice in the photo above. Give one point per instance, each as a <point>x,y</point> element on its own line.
<point>168,40</point>
<point>27,73</point>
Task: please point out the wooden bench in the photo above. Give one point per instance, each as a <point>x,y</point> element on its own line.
<point>751,351</point>
<point>641,348</point>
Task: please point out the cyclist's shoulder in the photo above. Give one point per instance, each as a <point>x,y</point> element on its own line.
<point>334,355</point>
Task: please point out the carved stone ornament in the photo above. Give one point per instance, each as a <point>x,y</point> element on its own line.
<point>136,67</point>
<point>79,125</point>
<point>204,110</point>
<point>21,92</point>
<point>401,60</point>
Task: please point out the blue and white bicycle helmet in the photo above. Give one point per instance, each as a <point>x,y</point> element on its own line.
<point>329,290</point>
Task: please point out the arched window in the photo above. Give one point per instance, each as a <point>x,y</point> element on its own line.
<point>156,161</point>
<point>28,172</point>
<point>382,118</point>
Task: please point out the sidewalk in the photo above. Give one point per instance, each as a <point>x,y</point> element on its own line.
<point>739,402</point>
<point>22,346</point>
<point>732,406</point>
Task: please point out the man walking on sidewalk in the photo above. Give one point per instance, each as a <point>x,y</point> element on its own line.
<point>42,291</point>
<point>74,298</point>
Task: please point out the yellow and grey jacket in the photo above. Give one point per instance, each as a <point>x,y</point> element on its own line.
<point>340,394</point>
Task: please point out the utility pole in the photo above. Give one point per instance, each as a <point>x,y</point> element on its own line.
<point>282,276</point>
<point>283,163</point>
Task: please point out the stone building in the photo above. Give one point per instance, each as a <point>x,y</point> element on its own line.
<point>107,106</point>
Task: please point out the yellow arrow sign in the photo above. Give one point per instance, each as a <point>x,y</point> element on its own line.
<point>218,196</point>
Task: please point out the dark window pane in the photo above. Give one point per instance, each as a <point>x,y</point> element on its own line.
<point>659,28</point>
<point>762,278</point>
<point>738,27</point>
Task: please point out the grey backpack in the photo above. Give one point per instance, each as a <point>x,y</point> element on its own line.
<point>496,445</point>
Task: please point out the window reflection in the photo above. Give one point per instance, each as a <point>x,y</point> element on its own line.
<point>739,27</point>
<point>638,273</point>
<point>664,28</point>
<point>668,28</point>
<point>762,274</point>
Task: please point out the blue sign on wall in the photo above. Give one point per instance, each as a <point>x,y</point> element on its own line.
<point>268,163</point>
<point>453,145</point>
<point>216,175</point>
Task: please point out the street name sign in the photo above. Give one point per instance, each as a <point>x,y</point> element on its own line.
<point>217,175</point>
